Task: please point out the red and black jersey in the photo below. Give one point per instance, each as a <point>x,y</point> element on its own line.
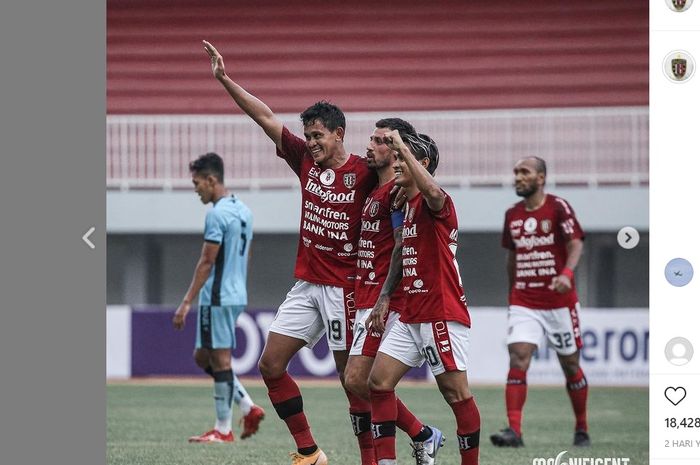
<point>431,277</point>
<point>331,207</point>
<point>538,238</point>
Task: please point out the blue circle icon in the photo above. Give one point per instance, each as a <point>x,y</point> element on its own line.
<point>679,272</point>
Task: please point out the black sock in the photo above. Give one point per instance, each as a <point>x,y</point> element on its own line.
<point>424,434</point>
<point>307,450</point>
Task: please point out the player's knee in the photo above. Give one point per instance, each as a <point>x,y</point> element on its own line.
<point>201,358</point>
<point>454,392</point>
<point>270,368</point>
<point>355,383</point>
<point>376,383</point>
<point>570,366</point>
<point>520,359</point>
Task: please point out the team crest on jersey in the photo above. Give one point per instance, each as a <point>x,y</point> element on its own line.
<point>679,66</point>
<point>546,226</point>
<point>374,209</point>
<point>530,225</point>
<point>347,247</point>
<point>349,180</point>
<point>327,177</point>
<point>418,283</point>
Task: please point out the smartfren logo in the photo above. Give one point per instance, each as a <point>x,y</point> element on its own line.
<point>559,460</point>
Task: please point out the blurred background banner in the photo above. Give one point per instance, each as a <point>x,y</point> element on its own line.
<point>615,353</point>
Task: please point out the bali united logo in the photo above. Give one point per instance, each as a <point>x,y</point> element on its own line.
<point>546,226</point>
<point>679,4</point>
<point>679,66</point>
<point>374,209</point>
<point>349,180</point>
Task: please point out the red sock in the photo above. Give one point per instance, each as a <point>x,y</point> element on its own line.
<point>468,429</point>
<point>516,393</point>
<point>286,398</point>
<point>577,386</point>
<point>384,423</point>
<point>406,420</point>
<point>360,418</point>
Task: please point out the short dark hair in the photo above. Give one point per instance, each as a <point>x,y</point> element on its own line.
<point>328,114</point>
<point>208,164</point>
<point>540,165</point>
<point>423,146</point>
<point>396,124</point>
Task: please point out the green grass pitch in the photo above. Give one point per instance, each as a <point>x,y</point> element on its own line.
<point>149,424</point>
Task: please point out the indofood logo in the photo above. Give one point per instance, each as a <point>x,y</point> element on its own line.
<point>559,460</point>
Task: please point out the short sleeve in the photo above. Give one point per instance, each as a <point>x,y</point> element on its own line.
<point>293,150</point>
<point>566,218</point>
<point>446,209</point>
<point>214,227</point>
<point>506,238</point>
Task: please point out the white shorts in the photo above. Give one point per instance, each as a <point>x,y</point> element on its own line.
<point>560,326</point>
<point>443,344</point>
<point>312,309</point>
<point>368,344</point>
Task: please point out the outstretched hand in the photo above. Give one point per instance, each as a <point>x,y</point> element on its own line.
<point>217,61</point>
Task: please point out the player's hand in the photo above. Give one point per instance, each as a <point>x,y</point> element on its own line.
<point>400,197</point>
<point>393,140</point>
<point>180,315</point>
<point>217,61</point>
<point>561,284</point>
<point>375,320</point>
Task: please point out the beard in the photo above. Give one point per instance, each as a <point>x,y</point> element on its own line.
<point>525,191</point>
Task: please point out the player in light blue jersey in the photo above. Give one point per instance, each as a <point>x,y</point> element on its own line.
<point>220,280</point>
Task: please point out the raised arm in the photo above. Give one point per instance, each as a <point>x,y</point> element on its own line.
<point>250,104</point>
<point>433,194</point>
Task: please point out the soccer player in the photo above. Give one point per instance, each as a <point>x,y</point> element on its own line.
<point>434,324</point>
<point>220,280</point>
<point>334,186</point>
<point>544,242</point>
<point>380,238</point>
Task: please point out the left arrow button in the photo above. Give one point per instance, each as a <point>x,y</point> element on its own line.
<point>86,237</point>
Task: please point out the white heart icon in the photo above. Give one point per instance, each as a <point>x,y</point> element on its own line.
<point>675,394</point>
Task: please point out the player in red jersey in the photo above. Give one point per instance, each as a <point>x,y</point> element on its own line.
<point>434,323</point>
<point>544,242</point>
<point>380,238</point>
<point>334,185</point>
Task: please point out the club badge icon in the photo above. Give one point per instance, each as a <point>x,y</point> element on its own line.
<point>679,66</point>
<point>679,6</point>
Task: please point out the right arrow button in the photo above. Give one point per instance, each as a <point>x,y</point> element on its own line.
<point>628,237</point>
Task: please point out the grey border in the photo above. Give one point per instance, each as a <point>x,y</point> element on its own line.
<point>52,285</point>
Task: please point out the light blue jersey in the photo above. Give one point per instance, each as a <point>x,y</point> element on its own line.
<point>229,223</point>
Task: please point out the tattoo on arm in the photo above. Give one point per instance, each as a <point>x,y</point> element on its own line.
<point>395,269</point>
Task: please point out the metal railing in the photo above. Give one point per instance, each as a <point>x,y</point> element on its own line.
<point>587,146</point>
